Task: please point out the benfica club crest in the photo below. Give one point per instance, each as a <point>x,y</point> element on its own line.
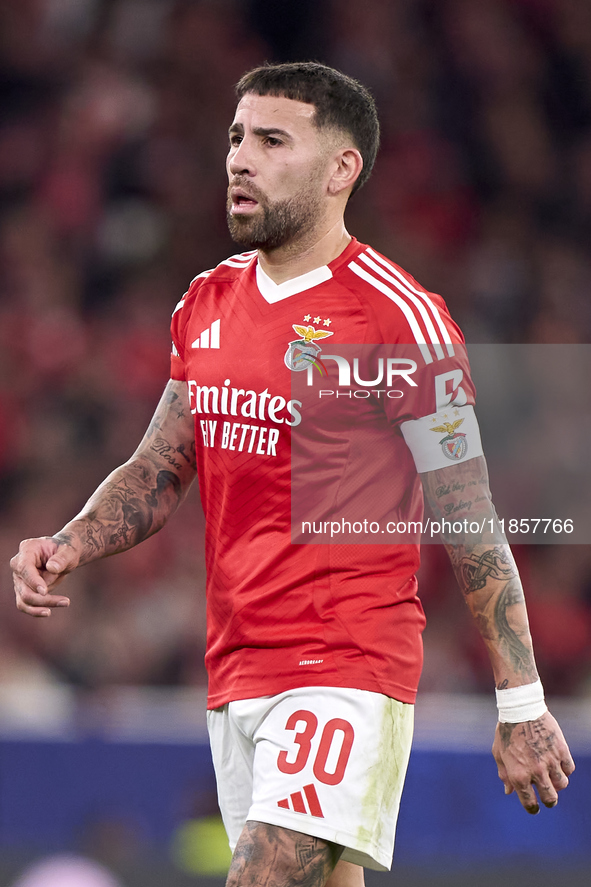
<point>454,444</point>
<point>304,352</point>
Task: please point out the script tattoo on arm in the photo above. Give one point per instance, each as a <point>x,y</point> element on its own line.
<point>137,499</point>
<point>166,445</point>
<point>485,569</point>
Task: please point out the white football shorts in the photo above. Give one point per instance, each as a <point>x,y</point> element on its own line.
<point>328,762</point>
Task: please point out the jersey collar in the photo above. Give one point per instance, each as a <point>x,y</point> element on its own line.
<point>275,292</point>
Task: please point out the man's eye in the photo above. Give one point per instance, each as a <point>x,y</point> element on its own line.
<point>273,142</point>
<point>235,140</point>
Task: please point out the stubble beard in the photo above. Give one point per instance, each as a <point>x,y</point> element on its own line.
<point>277,224</point>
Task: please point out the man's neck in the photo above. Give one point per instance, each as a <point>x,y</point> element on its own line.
<point>293,260</point>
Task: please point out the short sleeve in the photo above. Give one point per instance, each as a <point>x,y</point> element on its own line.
<point>177,355</point>
<point>421,383</point>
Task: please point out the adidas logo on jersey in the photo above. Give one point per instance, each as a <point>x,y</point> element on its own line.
<point>298,805</point>
<point>209,338</point>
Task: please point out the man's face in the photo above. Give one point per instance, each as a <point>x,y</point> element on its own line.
<point>277,167</point>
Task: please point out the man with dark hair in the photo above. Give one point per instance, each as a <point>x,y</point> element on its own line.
<point>314,651</point>
<point>341,103</point>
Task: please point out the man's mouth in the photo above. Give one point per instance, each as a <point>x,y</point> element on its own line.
<point>242,201</point>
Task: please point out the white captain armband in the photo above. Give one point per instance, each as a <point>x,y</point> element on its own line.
<point>444,438</point>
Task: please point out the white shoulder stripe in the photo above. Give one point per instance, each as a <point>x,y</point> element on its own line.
<point>416,302</point>
<point>404,307</point>
<point>422,294</point>
<point>182,302</point>
<point>199,276</point>
<point>240,260</point>
<point>232,264</point>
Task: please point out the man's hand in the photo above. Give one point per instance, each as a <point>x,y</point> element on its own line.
<point>533,753</point>
<point>39,566</point>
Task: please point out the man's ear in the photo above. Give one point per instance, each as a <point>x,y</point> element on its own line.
<point>348,164</point>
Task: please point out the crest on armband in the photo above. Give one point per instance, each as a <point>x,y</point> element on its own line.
<point>454,445</point>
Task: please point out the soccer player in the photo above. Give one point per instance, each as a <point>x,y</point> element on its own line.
<point>314,650</point>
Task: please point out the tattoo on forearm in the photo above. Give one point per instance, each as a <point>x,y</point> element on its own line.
<point>484,566</point>
<point>520,655</point>
<point>490,582</point>
<point>136,499</point>
<point>126,509</point>
<point>476,570</point>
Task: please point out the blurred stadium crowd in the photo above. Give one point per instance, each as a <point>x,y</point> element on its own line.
<point>113,120</point>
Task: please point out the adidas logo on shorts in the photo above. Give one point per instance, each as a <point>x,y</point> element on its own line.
<point>298,804</point>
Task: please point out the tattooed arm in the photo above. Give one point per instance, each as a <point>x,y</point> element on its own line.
<point>532,752</point>
<point>134,502</point>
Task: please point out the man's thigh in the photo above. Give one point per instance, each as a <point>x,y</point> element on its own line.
<point>325,762</point>
<point>270,854</point>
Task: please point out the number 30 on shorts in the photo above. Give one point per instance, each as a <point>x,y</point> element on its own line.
<point>304,740</point>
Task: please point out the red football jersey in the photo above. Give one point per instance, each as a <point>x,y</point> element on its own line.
<point>261,361</point>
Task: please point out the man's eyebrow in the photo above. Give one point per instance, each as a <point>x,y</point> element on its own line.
<point>262,131</point>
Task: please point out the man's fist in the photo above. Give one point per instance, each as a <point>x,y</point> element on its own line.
<point>39,566</point>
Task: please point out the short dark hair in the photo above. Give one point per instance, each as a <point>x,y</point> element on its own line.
<point>340,101</point>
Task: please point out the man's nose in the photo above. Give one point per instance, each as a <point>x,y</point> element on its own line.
<point>240,160</point>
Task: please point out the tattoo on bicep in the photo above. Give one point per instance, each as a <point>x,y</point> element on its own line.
<point>169,453</point>
<point>188,457</point>
<point>161,410</point>
<point>437,485</point>
<point>166,451</point>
